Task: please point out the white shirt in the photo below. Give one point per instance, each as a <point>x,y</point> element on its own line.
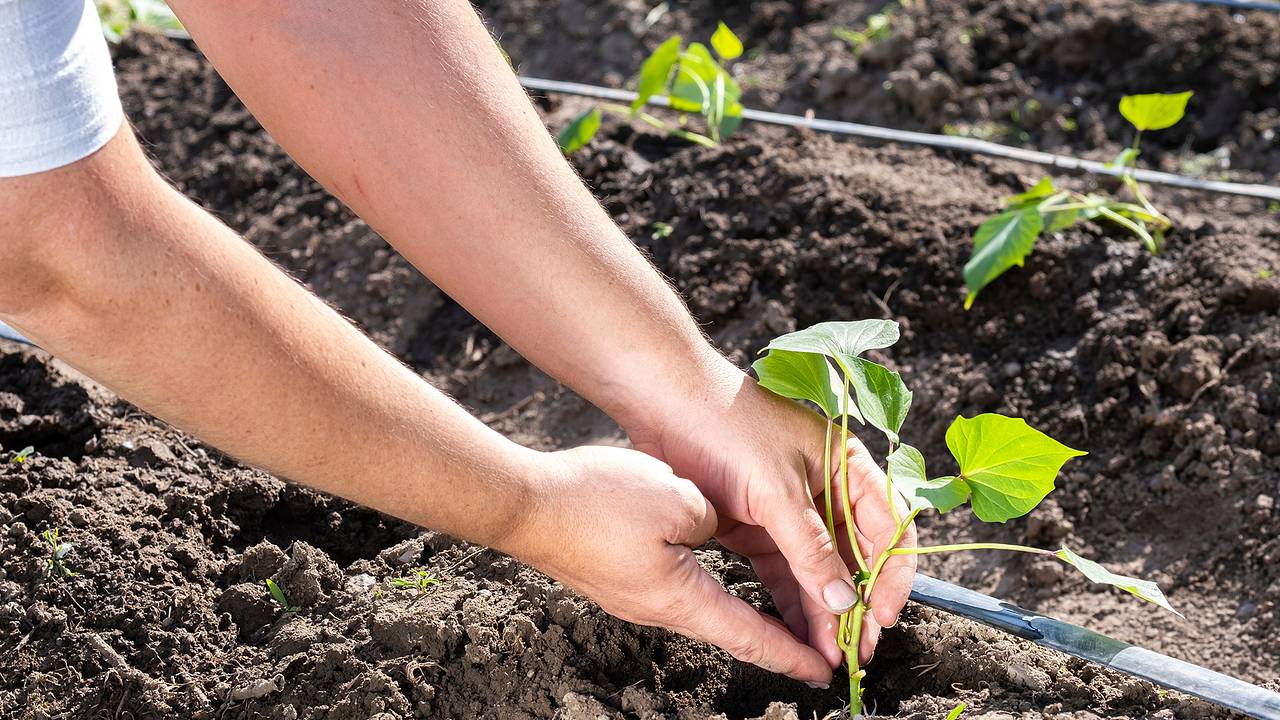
<point>58,98</point>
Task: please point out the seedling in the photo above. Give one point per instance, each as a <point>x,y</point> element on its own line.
<point>1007,239</point>
<point>694,81</point>
<point>879,27</point>
<point>22,455</point>
<point>56,563</point>
<point>661,230</point>
<point>118,17</point>
<point>278,595</point>
<point>956,711</point>
<point>1005,467</point>
<point>419,580</point>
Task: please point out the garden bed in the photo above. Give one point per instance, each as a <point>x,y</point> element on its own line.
<point>1163,368</point>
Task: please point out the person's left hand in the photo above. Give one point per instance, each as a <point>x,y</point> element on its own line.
<point>758,459</point>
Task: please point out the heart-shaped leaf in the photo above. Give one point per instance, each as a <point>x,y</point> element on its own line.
<point>840,341</point>
<point>1039,191</point>
<point>880,395</point>
<point>1154,111</point>
<point>907,473</point>
<point>802,376</point>
<point>1009,466</point>
<point>1000,243</point>
<point>1144,589</point>
<point>578,133</point>
<point>726,44</point>
<point>655,71</point>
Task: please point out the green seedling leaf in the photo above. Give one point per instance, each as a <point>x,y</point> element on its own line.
<point>802,376</point>
<point>1059,219</point>
<point>1144,589</point>
<point>955,711</point>
<point>22,455</point>
<point>840,341</point>
<point>655,71</point>
<point>907,473</point>
<point>661,230</point>
<point>1154,111</point>
<point>279,596</point>
<point>1034,194</point>
<point>726,44</point>
<point>1009,466</point>
<point>578,133</point>
<point>881,396</point>
<point>1127,158</point>
<point>1000,243</point>
<point>694,86</point>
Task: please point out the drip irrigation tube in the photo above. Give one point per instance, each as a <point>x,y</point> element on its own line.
<point>1095,647</point>
<point>10,334</point>
<point>948,142</point>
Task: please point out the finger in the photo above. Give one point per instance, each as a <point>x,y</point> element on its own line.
<point>893,586</point>
<point>801,536</point>
<point>870,636</point>
<point>694,520</point>
<point>773,572</point>
<point>877,525</point>
<point>717,617</point>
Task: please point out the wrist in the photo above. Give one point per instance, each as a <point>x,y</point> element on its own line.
<point>702,384</point>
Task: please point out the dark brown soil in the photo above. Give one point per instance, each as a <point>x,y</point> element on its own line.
<point>1164,368</point>
<point>1046,74</point>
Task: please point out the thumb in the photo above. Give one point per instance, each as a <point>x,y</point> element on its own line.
<point>800,534</point>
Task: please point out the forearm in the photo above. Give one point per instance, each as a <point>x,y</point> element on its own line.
<point>157,300</point>
<point>416,122</point>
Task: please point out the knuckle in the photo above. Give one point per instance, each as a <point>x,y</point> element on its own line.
<point>816,546</point>
<point>748,649</point>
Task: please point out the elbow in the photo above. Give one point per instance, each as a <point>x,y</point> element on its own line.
<point>26,281</point>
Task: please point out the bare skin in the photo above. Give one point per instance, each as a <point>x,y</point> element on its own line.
<point>413,119</point>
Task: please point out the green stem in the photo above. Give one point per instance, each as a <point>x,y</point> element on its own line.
<point>826,477</point>
<point>1131,226</point>
<point>967,546</point>
<point>856,673</point>
<point>844,483</point>
<point>645,117</point>
<point>888,491</point>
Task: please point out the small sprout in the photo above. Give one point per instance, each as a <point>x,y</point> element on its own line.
<point>56,563</point>
<point>22,455</point>
<point>278,595</point>
<point>955,711</point>
<point>1265,273</point>
<point>1274,207</point>
<point>694,81</point>
<point>419,580</point>
<point>118,17</point>
<point>1005,240</point>
<point>1005,467</point>
<point>661,230</point>
<point>879,27</point>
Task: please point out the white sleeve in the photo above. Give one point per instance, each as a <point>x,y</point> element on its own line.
<point>58,98</point>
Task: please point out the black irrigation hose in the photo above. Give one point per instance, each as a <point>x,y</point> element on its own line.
<point>1237,4</point>
<point>1095,647</point>
<point>948,142</point>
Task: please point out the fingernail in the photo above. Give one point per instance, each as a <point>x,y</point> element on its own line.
<point>839,596</point>
<point>819,686</point>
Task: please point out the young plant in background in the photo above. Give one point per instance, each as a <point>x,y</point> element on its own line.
<point>1006,239</point>
<point>22,455</point>
<point>694,81</point>
<point>1005,467</point>
<point>419,580</point>
<point>118,17</point>
<point>56,563</point>
<point>278,595</point>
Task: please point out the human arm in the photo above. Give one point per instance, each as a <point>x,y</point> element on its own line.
<point>119,275</point>
<point>414,119</point>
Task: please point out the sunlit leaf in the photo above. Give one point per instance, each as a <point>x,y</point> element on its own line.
<point>1009,466</point>
<point>1144,589</point>
<point>1039,191</point>
<point>655,71</point>
<point>1059,219</point>
<point>696,78</point>
<point>802,376</point>
<point>578,133</point>
<point>726,44</point>
<point>880,395</point>
<point>1000,243</point>
<point>955,712</point>
<point>1154,111</point>
<point>839,340</point>
<point>907,474</point>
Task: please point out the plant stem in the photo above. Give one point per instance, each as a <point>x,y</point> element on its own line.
<point>967,546</point>
<point>826,477</point>
<point>888,491</point>
<point>645,117</point>
<point>856,673</point>
<point>844,483</point>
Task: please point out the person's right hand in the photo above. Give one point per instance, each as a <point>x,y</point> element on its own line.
<point>618,526</point>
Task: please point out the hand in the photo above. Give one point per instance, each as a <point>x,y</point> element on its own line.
<point>617,526</point>
<point>758,459</point>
